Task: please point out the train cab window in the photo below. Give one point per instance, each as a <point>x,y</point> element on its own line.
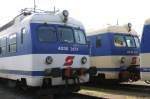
<point>130,41</point>
<point>12,46</point>
<point>3,45</point>
<point>46,34</point>
<point>80,37</point>
<point>119,41</point>
<point>98,42</point>
<point>23,32</point>
<point>65,35</point>
<point>137,42</point>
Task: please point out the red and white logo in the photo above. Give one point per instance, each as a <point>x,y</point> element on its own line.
<point>69,61</point>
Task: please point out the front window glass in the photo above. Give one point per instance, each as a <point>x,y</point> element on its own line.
<point>65,35</point>
<point>119,41</point>
<point>130,41</point>
<point>46,34</point>
<point>137,41</point>
<point>80,37</point>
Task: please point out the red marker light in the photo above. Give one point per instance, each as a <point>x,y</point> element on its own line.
<point>69,60</point>
<point>133,60</point>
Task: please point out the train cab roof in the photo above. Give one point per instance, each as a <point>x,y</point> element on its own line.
<point>147,22</point>
<point>124,29</point>
<point>43,17</point>
<point>52,19</point>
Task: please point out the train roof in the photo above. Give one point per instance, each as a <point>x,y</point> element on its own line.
<point>114,29</point>
<point>147,22</point>
<point>42,17</point>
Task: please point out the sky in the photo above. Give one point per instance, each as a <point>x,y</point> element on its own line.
<point>94,14</point>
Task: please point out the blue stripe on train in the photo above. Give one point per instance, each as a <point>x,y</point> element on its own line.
<point>41,73</point>
<point>142,69</point>
<point>21,72</point>
<point>107,47</point>
<point>31,45</point>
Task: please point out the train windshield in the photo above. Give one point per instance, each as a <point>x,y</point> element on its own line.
<point>65,35</point>
<point>126,41</point>
<point>119,41</point>
<point>137,42</point>
<point>61,34</point>
<point>130,41</point>
<point>80,37</point>
<point>46,34</point>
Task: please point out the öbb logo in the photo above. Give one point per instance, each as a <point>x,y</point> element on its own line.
<point>69,60</point>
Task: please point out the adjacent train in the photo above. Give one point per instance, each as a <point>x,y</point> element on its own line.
<point>145,52</point>
<point>114,50</point>
<point>41,48</point>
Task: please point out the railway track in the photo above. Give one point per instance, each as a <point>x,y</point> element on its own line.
<point>120,87</point>
<point>12,93</point>
<point>76,96</point>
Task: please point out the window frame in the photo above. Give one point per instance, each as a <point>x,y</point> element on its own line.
<point>3,40</point>
<point>98,41</point>
<point>22,35</point>
<point>73,34</point>
<point>55,32</point>
<point>133,41</point>
<point>9,44</point>
<point>86,42</point>
<point>123,36</point>
<point>136,37</point>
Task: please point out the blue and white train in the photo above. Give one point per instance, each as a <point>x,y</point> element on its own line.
<point>114,50</point>
<point>44,48</point>
<point>145,53</point>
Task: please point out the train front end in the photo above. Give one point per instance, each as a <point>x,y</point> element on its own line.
<point>126,49</point>
<point>60,51</point>
<point>115,53</point>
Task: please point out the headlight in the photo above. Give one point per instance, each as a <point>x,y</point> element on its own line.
<point>83,60</point>
<point>49,60</point>
<point>65,13</point>
<point>123,59</point>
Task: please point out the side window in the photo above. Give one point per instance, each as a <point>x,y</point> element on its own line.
<point>130,41</point>
<point>119,41</point>
<point>98,41</point>
<point>65,35</point>
<point>80,37</point>
<point>12,43</point>
<point>3,45</point>
<point>137,42</point>
<point>23,32</point>
<point>0,46</point>
<point>46,34</point>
